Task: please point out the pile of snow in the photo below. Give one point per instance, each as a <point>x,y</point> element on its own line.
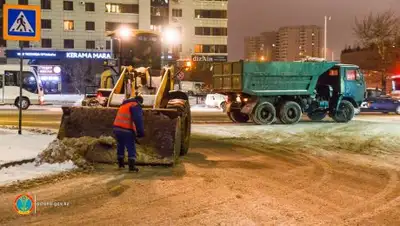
<point>14,148</point>
<point>76,150</point>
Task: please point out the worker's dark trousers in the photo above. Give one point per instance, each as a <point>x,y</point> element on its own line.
<point>125,139</point>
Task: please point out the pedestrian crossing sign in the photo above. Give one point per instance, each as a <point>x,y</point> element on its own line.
<point>21,22</point>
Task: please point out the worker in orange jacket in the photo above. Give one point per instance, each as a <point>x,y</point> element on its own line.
<point>128,125</point>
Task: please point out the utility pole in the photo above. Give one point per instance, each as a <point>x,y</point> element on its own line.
<point>325,35</point>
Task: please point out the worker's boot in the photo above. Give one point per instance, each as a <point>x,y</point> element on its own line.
<point>121,163</point>
<point>132,167</point>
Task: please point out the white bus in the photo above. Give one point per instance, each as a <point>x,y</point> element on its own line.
<point>32,92</point>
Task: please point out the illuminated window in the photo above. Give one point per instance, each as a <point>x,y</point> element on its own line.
<point>68,25</point>
<point>210,49</point>
<point>156,28</point>
<point>198,49</point>
<point>112,8</point>
<point>351,75</point>
<point>333,72</point>
<point>122,8</point>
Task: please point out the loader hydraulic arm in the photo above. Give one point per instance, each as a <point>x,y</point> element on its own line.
<point>166,85</point>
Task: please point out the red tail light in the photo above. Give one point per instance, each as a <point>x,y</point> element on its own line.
<point>99,95</point>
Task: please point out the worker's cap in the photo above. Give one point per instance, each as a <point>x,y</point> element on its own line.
<point>139,99</point>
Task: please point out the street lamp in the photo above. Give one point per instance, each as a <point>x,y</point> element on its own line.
<point>325,34</point>
<point>170,36</point>
<point>123,34</point>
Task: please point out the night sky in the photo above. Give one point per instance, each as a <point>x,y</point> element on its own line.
<point>251,17</point>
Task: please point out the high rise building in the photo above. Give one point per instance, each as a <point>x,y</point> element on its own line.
<point>287,44</point>
<point>261,47</point>
<point>82,25</point>
<point>296,42</point>
<point>204,27</point>
<point>254,48</point>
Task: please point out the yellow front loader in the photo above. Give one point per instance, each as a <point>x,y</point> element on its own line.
<point>167,118</point>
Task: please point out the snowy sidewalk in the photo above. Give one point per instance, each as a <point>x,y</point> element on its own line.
<point>14,147</point>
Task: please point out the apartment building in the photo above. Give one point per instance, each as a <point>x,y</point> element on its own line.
<point>82,25</point>
<point>286,44</point>
<point>204,27</point>
<point>261,47</point>
<point>296,42</point>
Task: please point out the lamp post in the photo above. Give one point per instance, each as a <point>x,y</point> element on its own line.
<point>123,34</point>
<point>325,34</point>
<point>171,36</point>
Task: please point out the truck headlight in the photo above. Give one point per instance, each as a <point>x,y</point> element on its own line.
<point>238,99</point>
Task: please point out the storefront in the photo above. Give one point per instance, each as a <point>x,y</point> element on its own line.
<point>64,71</point>
<point>51,78</point>
<point>202,67</point>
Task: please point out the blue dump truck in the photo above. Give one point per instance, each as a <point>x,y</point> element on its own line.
<point>265,91</point>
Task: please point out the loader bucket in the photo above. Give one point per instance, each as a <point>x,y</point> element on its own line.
<point>161,144</point>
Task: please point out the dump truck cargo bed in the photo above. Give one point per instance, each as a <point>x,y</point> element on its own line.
<point>268,78</point>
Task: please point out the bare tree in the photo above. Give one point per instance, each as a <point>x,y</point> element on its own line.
<point>380,31</point>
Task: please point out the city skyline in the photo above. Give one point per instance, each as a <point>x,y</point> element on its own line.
<point>264,16</point>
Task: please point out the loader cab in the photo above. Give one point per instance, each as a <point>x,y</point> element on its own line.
<point>137,48</point>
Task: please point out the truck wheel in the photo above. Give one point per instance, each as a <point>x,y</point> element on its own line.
<point>317,115</point>
<point>290,112</point>
<point>264,114</point>
<point>238,117</point>
<point>345,112</point>
<point>186,121</point>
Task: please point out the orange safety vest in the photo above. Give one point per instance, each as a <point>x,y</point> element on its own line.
<point>123,118</point>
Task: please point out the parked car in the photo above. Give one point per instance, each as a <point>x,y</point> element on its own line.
<point>382,104</point>
<point>216,100</point>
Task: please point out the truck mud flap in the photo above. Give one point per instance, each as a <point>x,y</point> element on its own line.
<point>248,108</point>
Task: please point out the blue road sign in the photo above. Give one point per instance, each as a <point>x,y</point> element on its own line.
<point>21,22</point>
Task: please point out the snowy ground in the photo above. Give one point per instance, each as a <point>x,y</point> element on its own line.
<point>14,147</point>
<point>361,138</point>
<point>60,99</point>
